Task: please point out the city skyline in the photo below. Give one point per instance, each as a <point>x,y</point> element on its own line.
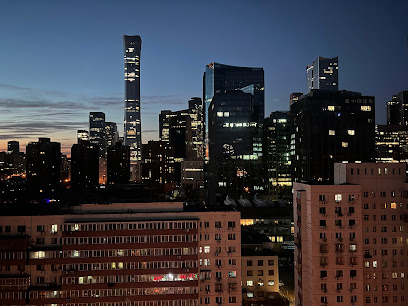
<point>50,90</point>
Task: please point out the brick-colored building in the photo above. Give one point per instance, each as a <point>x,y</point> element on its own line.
<point>141,254</point>
<point>351,237</point>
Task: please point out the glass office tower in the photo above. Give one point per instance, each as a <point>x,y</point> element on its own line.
<point>219,78</point>
<point>133,131</point>
<point>323,74</point>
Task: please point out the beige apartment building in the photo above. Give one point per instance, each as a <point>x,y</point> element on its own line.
<point>143,254</point>
<point>260,276</point>
<point>351,237</point>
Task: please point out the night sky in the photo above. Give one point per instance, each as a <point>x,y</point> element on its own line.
<point>59,60</point>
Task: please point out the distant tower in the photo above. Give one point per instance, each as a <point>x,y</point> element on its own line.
<point>82,135</point>
<point>132,132</point>
<point>112,135</point>
<point>43,167</point>
<point>97,134</point>
<point>13,146</point>
<point>323,74</point>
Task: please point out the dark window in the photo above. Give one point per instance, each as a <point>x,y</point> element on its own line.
<point>231,224</point>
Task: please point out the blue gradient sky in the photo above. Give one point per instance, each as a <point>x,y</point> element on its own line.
<point>59,60</point>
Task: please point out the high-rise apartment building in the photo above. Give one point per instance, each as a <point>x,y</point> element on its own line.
<point>97,133</point>
<point>13,147</point>
<point>133,132</point>
<point>276,154</point>
<point>351,237</point>
<point>84,165</point>
<point>220,78</point>
<point>330,127</point>
<point>43,162</point>
<point>397,109</point>
<point>158,166</point>
<point>323,74</point>
<point>118,164</point>
<point>131,254</point>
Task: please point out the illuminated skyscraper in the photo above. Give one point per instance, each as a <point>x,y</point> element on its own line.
<point>82,135</point>
<point>132,132</point>
<point>323,74</point>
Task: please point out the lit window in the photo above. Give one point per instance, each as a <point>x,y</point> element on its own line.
<point>232,274</point>
<point>374,264</point>
<point>344,144</point>
<point>226,114</point>
<point>332,132</point>
<point>54,228</point>
<point>260,284</point>
<point>337,197</point>
<point>271,283</point>
<point>219,114</point>
<point>366,108</point>
<point>250,283</point>
<point>394,205</point>
<point>351,132</point>
<point>206,249</point>
<point>250,294</point>
<point>331,108</point>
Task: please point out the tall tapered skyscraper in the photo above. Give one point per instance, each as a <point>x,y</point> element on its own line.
<point>133,132</point>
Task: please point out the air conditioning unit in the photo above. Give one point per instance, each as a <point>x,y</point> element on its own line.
<point>178,257</point>
<point>187,270</point>
<point>187,230</point>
